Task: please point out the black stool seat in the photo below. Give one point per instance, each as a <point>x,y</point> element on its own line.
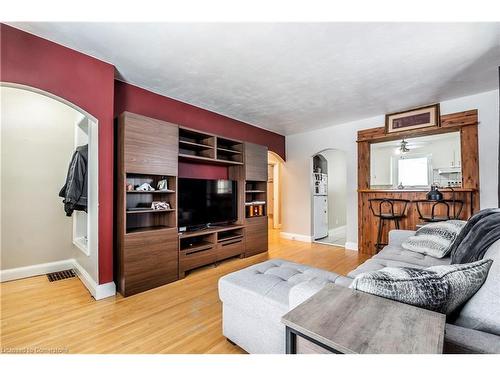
<point>389,216</point>
<point>453,209</point>
<point>387,209</point>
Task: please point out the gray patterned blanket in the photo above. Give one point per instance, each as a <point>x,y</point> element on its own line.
<point>480,232</point>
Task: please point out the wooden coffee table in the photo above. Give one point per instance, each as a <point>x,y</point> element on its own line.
<point>342,320</point>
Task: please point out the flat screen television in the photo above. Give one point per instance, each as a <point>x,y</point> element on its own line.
<point>206,202</point>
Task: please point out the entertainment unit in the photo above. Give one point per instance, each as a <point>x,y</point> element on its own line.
<point>210,245</point>
<point>150,250</point>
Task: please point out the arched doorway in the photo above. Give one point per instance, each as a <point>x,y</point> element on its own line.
<point>40,133</point>
<point>275,165</point>
<point>328,197</point>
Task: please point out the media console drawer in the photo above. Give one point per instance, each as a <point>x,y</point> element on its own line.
<point>230,249</point>
<point>188,261</point>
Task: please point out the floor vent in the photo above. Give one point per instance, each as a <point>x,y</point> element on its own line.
<point>61,275</point>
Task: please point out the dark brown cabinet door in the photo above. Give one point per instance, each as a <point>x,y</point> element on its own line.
<point>150,146</point>
<point>255,162</point>
<point>256,236</point>
<point>152,260</point>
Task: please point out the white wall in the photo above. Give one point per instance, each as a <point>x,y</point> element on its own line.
<point>296,185</point>
<point>37,145</point>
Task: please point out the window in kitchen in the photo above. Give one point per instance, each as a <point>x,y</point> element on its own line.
<point>413,171</point>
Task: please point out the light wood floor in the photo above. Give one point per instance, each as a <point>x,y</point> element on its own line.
<point>182,317</point>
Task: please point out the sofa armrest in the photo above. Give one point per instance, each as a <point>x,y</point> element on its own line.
<point>465,340</point>
<point>398,236</point>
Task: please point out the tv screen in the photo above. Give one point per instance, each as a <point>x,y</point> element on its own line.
<point>203,202</point>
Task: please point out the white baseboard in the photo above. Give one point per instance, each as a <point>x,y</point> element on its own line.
<point>295,237</point>
<point>339,231</point>
<point>96,290</point>
<point>351,246</point>
<point>35,270</point>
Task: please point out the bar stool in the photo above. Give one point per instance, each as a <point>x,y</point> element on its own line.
<point>387,209</point>
<point>450,209</point>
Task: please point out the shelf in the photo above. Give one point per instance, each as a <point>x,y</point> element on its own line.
<point>147,229</point>
<point>219,149</point>
<point>209,230</point>
<point>229,238</point>
<point>254,204</point>
<point>148,211</point>
<point>202,245</point>
<point>151,192</point>
<point>208,160</point>
<point>254,191</point>
<point>194,144</point>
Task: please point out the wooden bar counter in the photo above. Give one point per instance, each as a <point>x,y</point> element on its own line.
<point>369,224</point>
<point>466,123</point>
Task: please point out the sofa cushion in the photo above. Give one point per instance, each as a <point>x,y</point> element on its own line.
<point>482,311</point>
<point>396,253</point>
<point>460,340</point>
<point>434,239</point>
<point>263,289</point>
<point>376,264</point>
<point>437,288</point>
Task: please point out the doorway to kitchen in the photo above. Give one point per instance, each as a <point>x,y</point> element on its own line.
<point>329,181</point>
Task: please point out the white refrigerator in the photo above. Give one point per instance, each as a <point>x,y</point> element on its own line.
<point>320,216</point>
<point>320,205</point>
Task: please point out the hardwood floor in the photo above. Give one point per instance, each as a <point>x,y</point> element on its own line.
<point>182,317</point>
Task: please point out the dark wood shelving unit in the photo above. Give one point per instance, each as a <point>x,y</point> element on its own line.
<point>147,253</point>
<point>149,250</point>
<point>255,189</point>
<point>255,198</point>
<point>230,150</point>
<point>201,147</point>
<point>196,145</point>
<point>139,213</point>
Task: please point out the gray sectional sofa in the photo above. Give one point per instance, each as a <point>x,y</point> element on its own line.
<point>255,298</point>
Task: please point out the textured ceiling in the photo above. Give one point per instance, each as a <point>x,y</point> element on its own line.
<point>293,77</point>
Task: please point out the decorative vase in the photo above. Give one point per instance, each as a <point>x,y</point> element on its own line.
<point>434,194</point>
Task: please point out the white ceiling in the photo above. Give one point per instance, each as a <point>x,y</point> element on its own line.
<point>293,77</point>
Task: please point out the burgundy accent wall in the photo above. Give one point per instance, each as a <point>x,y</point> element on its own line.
<point>135,99</point>
<point>84,81</point>
<point>206,172</point>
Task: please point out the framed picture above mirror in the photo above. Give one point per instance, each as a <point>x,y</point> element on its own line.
<point>416,118</point>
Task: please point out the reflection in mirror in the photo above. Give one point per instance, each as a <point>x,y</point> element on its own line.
<point>417,162</point>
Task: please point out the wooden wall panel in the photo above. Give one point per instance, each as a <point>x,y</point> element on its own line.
<point>151,146</point>
<point>368,224</point>
<point>449,123</point>
<point>255,162</point>
<point>470,156</point>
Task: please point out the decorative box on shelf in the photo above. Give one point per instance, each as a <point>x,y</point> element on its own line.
<point>255,209</point>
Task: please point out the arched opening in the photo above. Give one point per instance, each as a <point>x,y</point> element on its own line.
<point>40,134</point>
<point>275,165</point>
<point>328,197</point>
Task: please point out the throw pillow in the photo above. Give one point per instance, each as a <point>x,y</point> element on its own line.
<point>434,239</point>
<point>438,288</point>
